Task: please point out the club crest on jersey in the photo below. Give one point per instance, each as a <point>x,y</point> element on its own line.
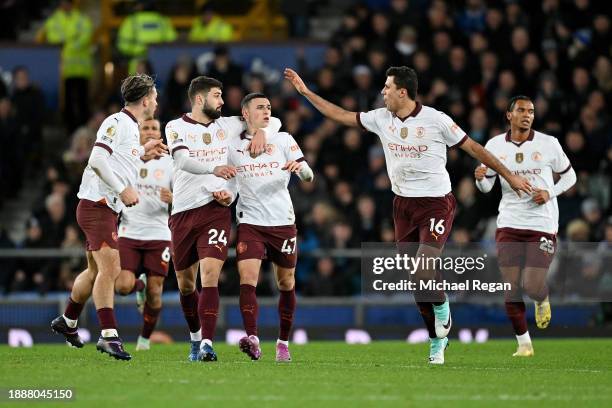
<point>143,173</point>
<point>270,149</point>
<point>404,132</point>
<point>519,157</point>
<point>420,132</point>
<point>536,156</point>
<point>220,134</point>
<point>207,138</point>
<point>158,174</point>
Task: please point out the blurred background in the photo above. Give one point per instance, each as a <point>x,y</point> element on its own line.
<point>61,63</point>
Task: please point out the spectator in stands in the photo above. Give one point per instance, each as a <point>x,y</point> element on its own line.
<point>71,267</point>
<point>592,214</point>
<point>210,27</point>
<point>175,99</point>
<point>53,221</point>
<point>29,105</point>
<point>12,152</point>
<point>73,30</point>
<point>224,69</point>
<point>36,274</point>
<point>143,27</point>
<point>323,281</point>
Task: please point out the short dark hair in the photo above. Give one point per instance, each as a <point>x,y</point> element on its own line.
<point>250,97</point>
<point>202,84</point>
<point>135,87</point>
<point>513,100</point>
<point>405,77</point>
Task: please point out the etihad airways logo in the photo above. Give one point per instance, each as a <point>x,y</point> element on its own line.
<point>257,166</point>
<point>394,147</point>
<point>525,172</point>
<point>218,151</point>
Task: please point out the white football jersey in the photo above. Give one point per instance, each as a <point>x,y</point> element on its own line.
<point>415,148</point>
<point>535,159</point>
<point>262,183</point>
<point>207,143</point>
<point>119,135</point>
<point>148,220</point>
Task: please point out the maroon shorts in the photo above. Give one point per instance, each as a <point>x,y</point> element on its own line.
<point>525,248</point>
<point>278,244</point>
<point>153,255</point>
<point>99,223</point>
<point>424,219</point>
<point>200,233</point>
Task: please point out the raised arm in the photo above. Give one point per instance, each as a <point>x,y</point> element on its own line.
<point>327,108</point>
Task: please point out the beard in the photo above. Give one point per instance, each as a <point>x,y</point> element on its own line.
<point>210,112</point>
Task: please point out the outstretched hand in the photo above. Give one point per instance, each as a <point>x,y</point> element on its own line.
<point>295,80</point>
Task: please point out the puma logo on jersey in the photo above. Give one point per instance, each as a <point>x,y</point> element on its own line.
<point>434,235</point>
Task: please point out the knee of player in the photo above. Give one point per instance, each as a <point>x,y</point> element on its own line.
<point>154,288</point>
<point>286,282</point>
<point>186,287</point>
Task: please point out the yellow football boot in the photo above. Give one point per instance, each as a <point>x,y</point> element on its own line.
<point>524,350</point>
<point>542,313</point>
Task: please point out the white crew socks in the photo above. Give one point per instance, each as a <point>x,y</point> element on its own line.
<point>523,339</point>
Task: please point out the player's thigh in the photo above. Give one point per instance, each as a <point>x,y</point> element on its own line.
<point>435,216</point>
<point>405,228</point>
<point>285,277</point>
<point>125,282</point>
<point>92,266</point>
<point>213,232</point>
<point>429,255</point>
<point>186,278</point>
<point>511,248</point>
<point>108,262</point>
<point>248,269</point>
<point>540,250</point>
<point>281,245</point>
<point>130,254</point>
<point>156,258</point>
<point>184,240</point>
<point>98,223</point>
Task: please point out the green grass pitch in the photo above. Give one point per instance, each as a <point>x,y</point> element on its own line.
<point>563,373</point>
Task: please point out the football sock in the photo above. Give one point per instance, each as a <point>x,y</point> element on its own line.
<point>286,310</point>
<point>72,312</point>
<point>249,309</point>
<point>523,339</point>
<point>149,317</point>
<point>189,303</point>
<point>516,314</point>
<point>108,324</point>
<point>426,310</point>
<point>208,309</point>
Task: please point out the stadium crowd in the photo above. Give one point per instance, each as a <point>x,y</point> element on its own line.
<point>470,60</point>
